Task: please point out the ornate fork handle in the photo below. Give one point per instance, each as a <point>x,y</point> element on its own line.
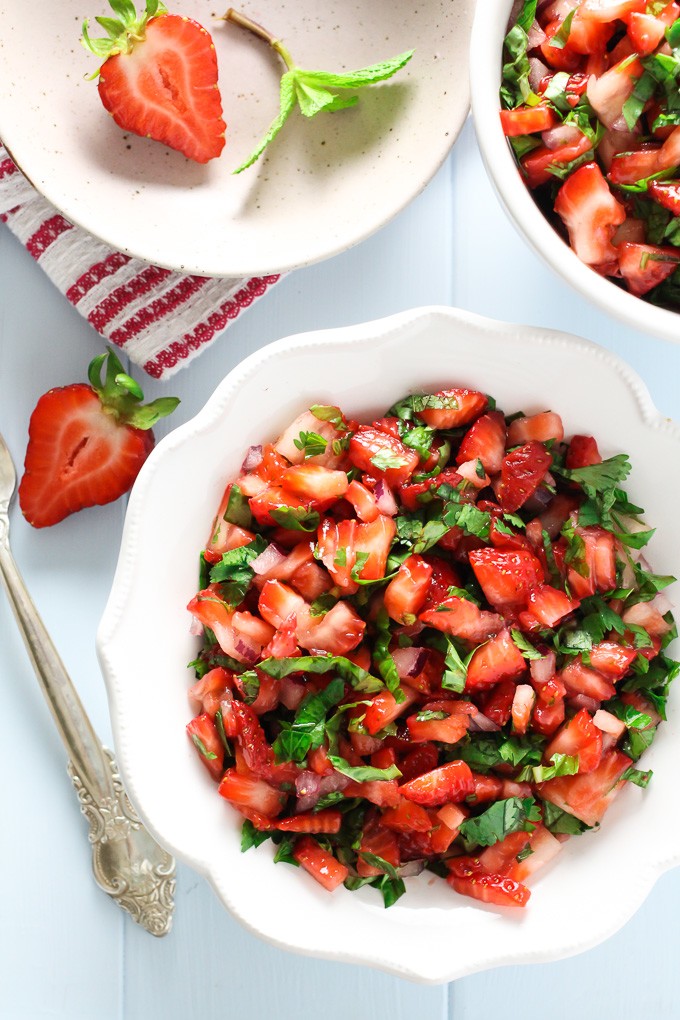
<point>127,862</point>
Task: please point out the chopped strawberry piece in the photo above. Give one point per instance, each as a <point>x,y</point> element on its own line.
<point>588,795</point>
<point>496,704</point>
<point>506,576</point>
<point>528,119</point>
<point>448,730</point>
<point>312,481</point>
<point>550,605</point>
<point>363,501</point>
<point>522,472</point>
<point>378,841</point>
<point>463,619</point>
<point>539,427</point>
<point>667,194</point>
<point>451,782</point>
<point>591,215</point>
<point>250,792</point>
<point>405,594</point>
<point>582,452</point>
<point>384,709</point>
<point>544,847</point>
<point>328,821</point>
<point>422,759</point>
<point>484,441</point>
<point>501,857</point>
<point>598,565</point>
<point>497,889</point>
<point>207,742</point>
<point>407,817</point>
<point>383,455</point>
<point>319,863</point>
<point>644,266</point>
<point>497,660</point>
<point>460,406</point>
<point>579,737</point>
<point>537,163</point>
<point>645,32</point>
<point>579,679</point>
<point>612,659</point>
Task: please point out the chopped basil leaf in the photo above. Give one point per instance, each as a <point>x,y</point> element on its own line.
<point>641,779</point>
<point>208,755</point>
<point>384,460</point>
<point>561,37</point>
<point>362,773</point>
<point>562,765</point>
<point>233,572</point>
<point>250,685</point>
<point>359,678</point>
<point>503,817</point>
<point>284,852</point>
<point>250,836</point>
<point>308,729</point>
<point>382,657</point>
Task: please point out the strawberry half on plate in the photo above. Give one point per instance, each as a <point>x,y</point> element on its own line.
<point>159,78</point>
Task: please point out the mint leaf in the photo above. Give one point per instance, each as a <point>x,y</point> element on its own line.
<point>287,99</point>
<point>358,79</point>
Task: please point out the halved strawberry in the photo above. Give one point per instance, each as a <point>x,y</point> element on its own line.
<point>484,441</point>
<point>506,576</point>
<point>459,406</point>
<point>87,444</point>
<point>591,214</point>
<point>499,659</point>
<point>522,472</point>
<point>579,737</point>
<point>451,782</point>
<point>159,79</point>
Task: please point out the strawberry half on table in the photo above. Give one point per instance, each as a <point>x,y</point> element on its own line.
<point>159,78</point>
<point>87,443</point>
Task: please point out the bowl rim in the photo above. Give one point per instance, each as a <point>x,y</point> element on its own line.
<point>376,331</point>
<point>485,76</point>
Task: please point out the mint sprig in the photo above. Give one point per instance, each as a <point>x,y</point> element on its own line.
<point>311,91</point>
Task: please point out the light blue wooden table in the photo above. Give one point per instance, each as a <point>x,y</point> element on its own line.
<point>66,951</point>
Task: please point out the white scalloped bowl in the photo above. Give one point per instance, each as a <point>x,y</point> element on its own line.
<point>431,934</point>
<point>486,49</point>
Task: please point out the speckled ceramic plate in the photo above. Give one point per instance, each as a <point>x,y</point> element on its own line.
<point>326,183</point>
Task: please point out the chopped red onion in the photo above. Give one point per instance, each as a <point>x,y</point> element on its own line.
<point>292,692</point>
<point>583,701</point>
<point>535,36</point>
<point>247,651</point>
<point>196,628</point>
<point>662,603</point>
<point>481,723</point>
<point>309,787</point>
<point>563,134</point>
<point>543,669</point>
<point>385,499</point>
<point>253,458</point>
<point>411,869</point>
<point>409,661</point>
<point>271,557</point>
<point>537,72</point>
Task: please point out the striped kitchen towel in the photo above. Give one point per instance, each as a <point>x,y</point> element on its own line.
<point>161,319</point>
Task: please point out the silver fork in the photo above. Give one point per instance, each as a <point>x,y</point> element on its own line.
<point>127,862</point>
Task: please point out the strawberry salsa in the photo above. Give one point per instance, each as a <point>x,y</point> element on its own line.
<point>429,642</point>
<point>592,112</point>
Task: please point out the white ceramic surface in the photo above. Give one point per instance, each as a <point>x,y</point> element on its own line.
<point>485,75</point>
<point>144,642</point>
<point>325,184</point>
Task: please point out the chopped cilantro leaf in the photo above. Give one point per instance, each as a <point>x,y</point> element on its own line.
<point>295,518</point>
<point>311,443</point>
